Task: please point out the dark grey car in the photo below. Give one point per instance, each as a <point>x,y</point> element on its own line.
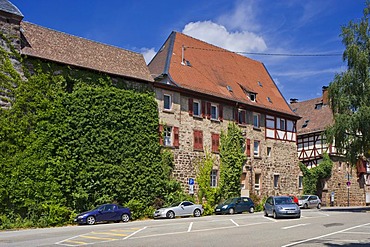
<point>281,206</point>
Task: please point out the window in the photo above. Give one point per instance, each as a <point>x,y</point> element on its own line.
<point>282,124</point>
<point>242,117</point>
<point>270,122</point>
<point>167,135</point>
<point>167,102</point>
<point>257,181</point>
<point>214,112</point>
<point>300,182</point>
<point>196,108</point>
<point>252,96</point>
<point>256,120</point>
<point>198,140</point>
<point>214,178</point>
<point>256,149</point>
<point>268,151</point>
<point>215,142</point>
<point>276,180</point>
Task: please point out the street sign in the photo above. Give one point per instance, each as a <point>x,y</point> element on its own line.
<point>191,189</point>
<point>348,184</point>
<point>191,181</point>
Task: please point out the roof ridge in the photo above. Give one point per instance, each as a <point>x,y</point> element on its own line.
<point>218,47</point>
<point>75,36</point>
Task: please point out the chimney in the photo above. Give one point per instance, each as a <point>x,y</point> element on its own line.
<point>325,96</point>
<point>293,100</point>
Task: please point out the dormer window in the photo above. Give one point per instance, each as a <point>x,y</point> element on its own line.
<point>259,83</point>
<point>269,100</point>
<point>252,97</point>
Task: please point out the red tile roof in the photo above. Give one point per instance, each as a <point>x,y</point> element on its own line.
<point>318,118</point>
<point>67,49</point>
<point>213,69</point>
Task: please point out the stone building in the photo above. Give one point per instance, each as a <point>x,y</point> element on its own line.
<point>200,88</point>
<point>316,116</point>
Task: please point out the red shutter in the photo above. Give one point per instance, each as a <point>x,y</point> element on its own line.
<point>200,140</point>
<point>190,106</point>
<point>220,113</point>
<point>160,130</point>
<point>215,143</point>
<point>195,143</point>
<point>208,110</point>
<point>176,141</point>
<point>203,109</point>
<point>248,147</point>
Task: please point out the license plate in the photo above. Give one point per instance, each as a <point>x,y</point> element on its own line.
<point>218,209</point>
<point>290,212</point>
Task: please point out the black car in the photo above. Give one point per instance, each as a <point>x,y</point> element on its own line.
<point>106,212</point>
<point>235,205</point>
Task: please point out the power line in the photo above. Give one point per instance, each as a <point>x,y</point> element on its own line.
<point>271,54</point>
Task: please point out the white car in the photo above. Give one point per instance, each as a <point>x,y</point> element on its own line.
<point>184,208</point>
<point>309,201</point>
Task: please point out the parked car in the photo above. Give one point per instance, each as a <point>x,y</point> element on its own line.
<point>281,206</point>
<point>184,208</point>
<point>309,201</point>
<point>235,205</point>
<point>106,212</point>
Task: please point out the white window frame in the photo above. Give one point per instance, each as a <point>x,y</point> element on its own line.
<point>240,111</point>
<point>256,118</point>
<point>257,181</point>
<point>167,136</point>
<point>198,108</point>
<point>269,151</point>
<point>214,178</point>
<point>170,102</point>
<point>214,117</point>
<point>256,149</point>
<point>252,97</point>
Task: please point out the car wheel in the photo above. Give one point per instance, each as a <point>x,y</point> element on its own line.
<point>251,210</point>
<point>305,206</point>
<point>231,211</point>
<point>125,218</point>
<point>266,214</point>
<point>197,213</point>
<point>170,214</point>
<point>274,215</point>
<point>90,220</point>
<point>319,206</point>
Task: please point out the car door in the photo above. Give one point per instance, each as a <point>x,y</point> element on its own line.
<point>239,205</point>
<point>313,201</point>
<point>188,208</point>
<point>269,205</point>
<point>106,213</point>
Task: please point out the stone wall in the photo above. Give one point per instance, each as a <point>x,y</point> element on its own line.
<point>283,160</point>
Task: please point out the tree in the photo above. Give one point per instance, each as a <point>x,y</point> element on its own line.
<point>232,160</point>
<point>349,92</point>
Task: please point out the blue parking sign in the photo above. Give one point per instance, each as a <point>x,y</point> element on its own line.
<point>191,181</point>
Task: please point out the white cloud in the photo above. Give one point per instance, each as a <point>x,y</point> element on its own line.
<point>148,54</point>
<point>218,35</point>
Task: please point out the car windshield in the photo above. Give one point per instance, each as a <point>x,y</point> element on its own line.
<point>283,200</point>
<point>175,204</point>
<point>228,201</point>
<point>303,197</point>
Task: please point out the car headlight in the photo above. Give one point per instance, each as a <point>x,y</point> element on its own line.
<point>224,206</point>
<point>80,217</point>
<point>279,208</point>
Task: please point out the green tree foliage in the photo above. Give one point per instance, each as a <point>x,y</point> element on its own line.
<point>203,179</point>
<point>349,92</point>
<point>232,161</point>
<point>312,177</point>
<point>69,143</point>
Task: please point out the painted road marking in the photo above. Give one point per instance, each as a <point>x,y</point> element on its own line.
<point>288,227</point>
<point>100,238</point>
<point>234,222</point>
<point>190,226</point>
<point>109,233</point>
<point>76,242</point>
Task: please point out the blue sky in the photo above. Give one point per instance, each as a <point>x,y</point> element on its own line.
<point>262,26</point>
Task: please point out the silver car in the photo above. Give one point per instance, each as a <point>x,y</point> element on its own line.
<point>184,208</point>
<point>281,206</point>
<point>309,201</point>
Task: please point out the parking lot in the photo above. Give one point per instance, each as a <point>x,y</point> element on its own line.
<point>314,228</point>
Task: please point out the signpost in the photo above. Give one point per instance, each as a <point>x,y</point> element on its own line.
<point>191,186</point>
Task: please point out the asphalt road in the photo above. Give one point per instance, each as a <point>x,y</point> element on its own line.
<point>314,228</point>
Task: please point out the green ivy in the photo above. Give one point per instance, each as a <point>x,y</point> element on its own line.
<point>312,177</point>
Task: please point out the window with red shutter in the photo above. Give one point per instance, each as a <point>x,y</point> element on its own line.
<point>198,140</point>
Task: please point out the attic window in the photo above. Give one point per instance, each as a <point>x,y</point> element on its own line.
<point>318,106</point>
<point>252,96</point>
<point>187,63</point>
<point>229,88</point>
<point>259,83</point>
<point>305,123</point>
<point>269,100</point>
